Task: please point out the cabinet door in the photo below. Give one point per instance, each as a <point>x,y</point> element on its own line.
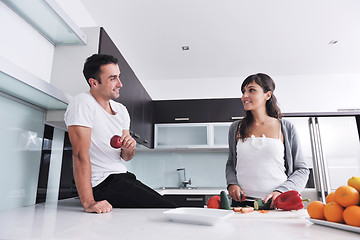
<point>187,200</point>
<point>137,111</point>
<point>182,111</point>
<point>148,123</point>
<point>226,110</point>
<point>192,135</point>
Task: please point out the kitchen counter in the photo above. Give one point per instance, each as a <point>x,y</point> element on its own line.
<point>67,220</point>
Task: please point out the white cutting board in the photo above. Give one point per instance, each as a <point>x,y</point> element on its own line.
<point>302,213</point>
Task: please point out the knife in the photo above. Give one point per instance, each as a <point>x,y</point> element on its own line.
<point>244,197</point>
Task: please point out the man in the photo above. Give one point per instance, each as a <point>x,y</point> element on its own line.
<point>101,178</point>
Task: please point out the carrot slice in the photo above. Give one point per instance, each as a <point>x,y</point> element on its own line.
<point>247,209</point>
<point>263,211</point>
<point>237,209</point>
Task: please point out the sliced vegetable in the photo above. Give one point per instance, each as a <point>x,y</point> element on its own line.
<point>260,205</point>
<point>237,209</point>
<point>224,201</point>
<point>247,209</point>
<point>263,211</point>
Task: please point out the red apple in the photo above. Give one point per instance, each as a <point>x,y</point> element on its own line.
<point>115,141</point>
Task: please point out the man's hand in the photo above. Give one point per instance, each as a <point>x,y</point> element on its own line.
<point>128,146</point>
<point>98,207</point>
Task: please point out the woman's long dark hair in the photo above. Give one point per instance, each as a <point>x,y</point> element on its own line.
<point>272,108</point>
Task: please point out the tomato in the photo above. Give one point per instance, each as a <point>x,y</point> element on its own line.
<point>214,202</point>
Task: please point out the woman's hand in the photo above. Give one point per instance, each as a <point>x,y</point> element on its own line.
<point>272,196</point>
<point>234,192</point>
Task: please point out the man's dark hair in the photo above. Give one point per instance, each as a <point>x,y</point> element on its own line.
<point>93,64</point>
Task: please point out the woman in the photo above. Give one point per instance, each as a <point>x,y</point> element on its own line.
<point>264,151</point>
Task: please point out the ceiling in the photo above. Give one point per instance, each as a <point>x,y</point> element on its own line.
<point>228,40</point>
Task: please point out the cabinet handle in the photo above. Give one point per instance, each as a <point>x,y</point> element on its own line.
<point>236,118</point>
<point>146,141</point>
<point>136,136</point>
<point>194,199</point>
<point>182,119</point>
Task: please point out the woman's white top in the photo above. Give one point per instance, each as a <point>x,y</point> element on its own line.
<point>260,165</point>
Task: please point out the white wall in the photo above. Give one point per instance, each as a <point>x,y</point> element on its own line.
<point>22,45</point>
<point>295,93</point>
<point>318,93</point>
<point>69,62</point>
<point>158,169</point>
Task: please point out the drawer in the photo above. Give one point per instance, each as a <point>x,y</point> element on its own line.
<point>187,200</point>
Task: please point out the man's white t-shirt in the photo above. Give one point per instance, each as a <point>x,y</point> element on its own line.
<point>85,111</point>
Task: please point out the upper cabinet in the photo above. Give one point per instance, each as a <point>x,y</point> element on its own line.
<point>182,111</point>
<point>198,111</point>
<point>226,110</point>
<point>133,95</point>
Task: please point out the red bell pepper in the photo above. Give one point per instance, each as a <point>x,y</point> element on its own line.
<point>290,200</point>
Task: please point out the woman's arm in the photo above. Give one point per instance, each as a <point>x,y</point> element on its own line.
<point>297,170</point>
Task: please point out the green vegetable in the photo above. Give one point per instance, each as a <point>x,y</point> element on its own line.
<point>260,205</point>
<point>224,201</point>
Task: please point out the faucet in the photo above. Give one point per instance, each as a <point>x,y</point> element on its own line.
<point>184,182</point>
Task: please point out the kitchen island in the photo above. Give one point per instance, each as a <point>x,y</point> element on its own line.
<point>67,220</point>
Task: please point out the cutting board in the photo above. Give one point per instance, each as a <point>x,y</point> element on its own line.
<point>272,214</point>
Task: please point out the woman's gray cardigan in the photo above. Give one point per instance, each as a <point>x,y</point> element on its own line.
<point>295,164</point>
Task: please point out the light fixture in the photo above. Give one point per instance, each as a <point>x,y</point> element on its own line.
<point>47,17</point>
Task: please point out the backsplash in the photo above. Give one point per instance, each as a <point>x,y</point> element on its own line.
<point>159,168</point>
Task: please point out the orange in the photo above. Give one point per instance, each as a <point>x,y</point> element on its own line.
<point>315,210</point>
<point>330,197</point>
<point>355,183</point>
<point>334,212</point>
<point>347,196</point>
<point>352,216</point>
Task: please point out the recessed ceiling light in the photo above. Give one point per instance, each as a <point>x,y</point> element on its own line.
<point>332,42</point>
<point>185,48</point>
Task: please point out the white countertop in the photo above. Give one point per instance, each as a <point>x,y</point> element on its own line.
<point>66,220</point>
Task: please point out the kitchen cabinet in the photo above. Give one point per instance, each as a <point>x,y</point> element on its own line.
<point>198,111</point>
<point>226,110</point>
<point>187,200</point>
<point>180,111</point>
<point>133,95</point>
<point>191,135</point>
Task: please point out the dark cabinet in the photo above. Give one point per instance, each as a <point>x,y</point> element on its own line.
<point>226,110</point>
<point>187,200</point>
<point>132,95</point>
<point>182,111</point>
<point>198,111</point>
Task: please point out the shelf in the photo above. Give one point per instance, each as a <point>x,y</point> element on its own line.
<point>48,18</point>
<point>192,136</point>
<point>18,83</point>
